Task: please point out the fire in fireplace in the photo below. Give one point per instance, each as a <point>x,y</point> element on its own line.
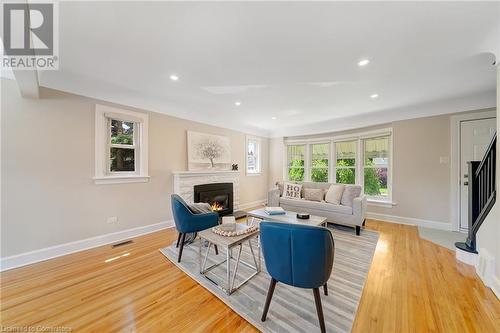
<point>218,195</point>
<point>217,206</point>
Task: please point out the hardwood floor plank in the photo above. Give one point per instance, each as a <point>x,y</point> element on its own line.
<point>413,286</point>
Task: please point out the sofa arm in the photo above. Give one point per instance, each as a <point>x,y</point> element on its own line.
<point>359,206</point>
<point>273,197</point>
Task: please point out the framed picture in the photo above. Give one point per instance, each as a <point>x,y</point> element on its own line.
<point>208,151</point>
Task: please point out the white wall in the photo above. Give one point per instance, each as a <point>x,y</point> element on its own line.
<point>48,195</point>
<point>488,236</point>
<point>421,184</point>
<point>276,162</point>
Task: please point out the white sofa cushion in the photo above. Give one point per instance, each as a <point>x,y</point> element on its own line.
<point>350,192</point>
<point>324,206</point>
<point>334,194</point>
<point>313,194</point>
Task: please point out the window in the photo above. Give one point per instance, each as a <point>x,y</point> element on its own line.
<point>376,167</point>
<point>320,154</point>
<point>253,156</point>
<point>345,167</point>
<point>296,162</point>
<point>363,159</point>
<point>121,146</point>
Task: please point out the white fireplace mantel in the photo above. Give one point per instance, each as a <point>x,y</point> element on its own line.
<point>204,172</point>
<point>184,182</point>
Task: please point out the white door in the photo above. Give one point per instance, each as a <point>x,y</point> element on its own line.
<point>475,136</point>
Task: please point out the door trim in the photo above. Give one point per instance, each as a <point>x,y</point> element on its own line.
<point>455,160</point>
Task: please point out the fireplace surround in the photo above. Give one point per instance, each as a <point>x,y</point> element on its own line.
<point>218,195</point>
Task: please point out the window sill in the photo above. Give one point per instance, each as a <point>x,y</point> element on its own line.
<point>120,179</point>
<point>381,203</point>
<point>254,173</point>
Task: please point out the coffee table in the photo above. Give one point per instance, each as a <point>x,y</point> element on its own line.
<point>288,217</point>
<point>228,243</point>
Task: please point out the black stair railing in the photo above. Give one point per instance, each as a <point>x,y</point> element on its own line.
<point>482,193</point>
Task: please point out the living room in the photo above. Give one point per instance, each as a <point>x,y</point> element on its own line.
<point>250,166</point>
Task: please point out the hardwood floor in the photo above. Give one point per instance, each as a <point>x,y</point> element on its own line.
<point>413,286</point>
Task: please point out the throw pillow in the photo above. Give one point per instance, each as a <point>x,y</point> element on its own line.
<point>292,191</point>
<point>313,194</point>
<point>200,208</point>
<point>280,186</point>
<point>334,194</point>
<point>350,192</point>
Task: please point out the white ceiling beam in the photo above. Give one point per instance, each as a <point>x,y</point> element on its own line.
<point>27,81</point>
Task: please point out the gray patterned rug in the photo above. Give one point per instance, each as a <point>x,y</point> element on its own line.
<point>292,309</point>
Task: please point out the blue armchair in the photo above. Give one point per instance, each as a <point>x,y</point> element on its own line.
<point>297,255</point>
<point>186,221</point>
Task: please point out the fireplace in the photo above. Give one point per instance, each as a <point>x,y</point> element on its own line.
<point>218,195</point>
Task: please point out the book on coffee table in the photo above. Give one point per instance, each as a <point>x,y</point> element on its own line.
<point>274,211</point>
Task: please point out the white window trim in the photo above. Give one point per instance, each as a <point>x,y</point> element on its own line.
<point>259,156</point>
<point>380,203</point>
<point>359,167</point>
<point>102,116</point>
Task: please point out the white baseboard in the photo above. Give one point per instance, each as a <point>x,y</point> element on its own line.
<point>485,269</point>
<point>495,286</point>
<point>466,257</point>
<point>252,204</point>
<point>410,221</point>
<point>32,257</point>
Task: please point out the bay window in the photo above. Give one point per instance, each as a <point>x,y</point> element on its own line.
<point>362,158</point>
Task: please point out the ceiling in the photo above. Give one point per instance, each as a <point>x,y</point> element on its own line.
<point>295,61</point>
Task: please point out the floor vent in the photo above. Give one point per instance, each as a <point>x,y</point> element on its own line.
<point>122,243</point>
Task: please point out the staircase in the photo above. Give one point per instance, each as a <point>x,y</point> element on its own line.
<point>482,194</point>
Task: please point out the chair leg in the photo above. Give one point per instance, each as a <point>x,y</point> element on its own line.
<point>216,250</point>
<point>268,299</point>
<point>319,309</point>
<point>178,239</point>
<point>325,289</point>
<point>182,246</point>
<point>364,222</point>
<point>358,230</point>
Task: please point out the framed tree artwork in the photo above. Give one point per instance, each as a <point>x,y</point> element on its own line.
<point>208,151</point>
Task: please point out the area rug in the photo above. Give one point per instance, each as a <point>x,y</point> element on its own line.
<point>292,309</point>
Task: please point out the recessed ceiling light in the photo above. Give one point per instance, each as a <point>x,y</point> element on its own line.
<point>373,96</point>
<point>238,103</point>
<point>174,77</point>
<point>363,62</point>
<point>274,118</point>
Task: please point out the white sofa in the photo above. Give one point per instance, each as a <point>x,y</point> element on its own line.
<point>341,214</point>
